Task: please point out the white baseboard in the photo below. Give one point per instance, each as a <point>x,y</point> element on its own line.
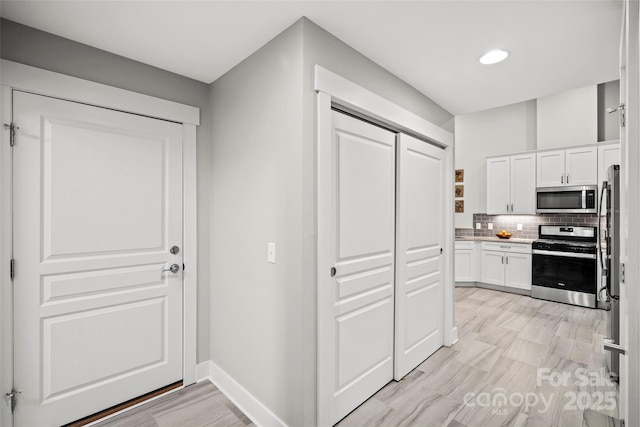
<point>203,371</point>
<point>454,336</point>
<point>255,410</point>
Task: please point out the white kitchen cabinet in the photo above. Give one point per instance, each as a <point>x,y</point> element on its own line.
<point>465,261</point>
<point>511,184</point>
<point>608,154</point>
<point>506,264</point>
<point>574,166</point>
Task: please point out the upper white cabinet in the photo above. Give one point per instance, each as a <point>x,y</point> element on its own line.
<point>511,184</point>
<point>575,166</point>
<point>608,154</point>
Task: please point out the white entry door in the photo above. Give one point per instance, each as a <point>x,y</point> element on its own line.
<point>419,298</point>
<point>97,207</point>
<point>357,338</point>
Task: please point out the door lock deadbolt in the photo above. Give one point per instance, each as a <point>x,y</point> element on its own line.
<point>174,250</point>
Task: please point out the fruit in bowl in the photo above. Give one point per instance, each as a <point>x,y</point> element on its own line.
<point>504,234</point>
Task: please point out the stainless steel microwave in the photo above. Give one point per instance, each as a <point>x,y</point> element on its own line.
<point>567,199</point>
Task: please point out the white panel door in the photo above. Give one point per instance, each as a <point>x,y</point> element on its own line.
<point>419,309</point>
<point>523,184</point>
<point>360,337</point>
<point>581,166</point>
<point>550,169</point>
<point>498,197</point>
<point>98,205</point>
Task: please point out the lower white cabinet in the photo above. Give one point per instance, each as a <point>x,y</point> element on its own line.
<point>465,261</point>
<point>506,264</point>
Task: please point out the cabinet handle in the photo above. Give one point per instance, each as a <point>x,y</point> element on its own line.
<point>507,258</point>
<point>507,207</point>
<point>502,259</point>
<point>567,178</point>
<point>511,207</point>
<point>562,179</point>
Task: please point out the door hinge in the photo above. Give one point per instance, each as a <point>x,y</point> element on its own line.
<point>441,251</point>
<point>622,273</point>
<point>621,110</point>
<point>12,132</point>
<point>12,268</point>
<point>12,398</point>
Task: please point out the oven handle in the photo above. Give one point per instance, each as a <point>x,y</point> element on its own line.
<point>563,254</point>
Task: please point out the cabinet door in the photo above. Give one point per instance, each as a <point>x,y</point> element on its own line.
<point>607,155</point>
<point>581,166</point>
<point>550,168</point>
<point>518,271</point>
<point>492,268</point>
<point>464,266</point>
<point>523,184</point>
<point>498,197</point>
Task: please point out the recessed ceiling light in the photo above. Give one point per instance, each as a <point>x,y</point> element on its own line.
<point>494,57</point>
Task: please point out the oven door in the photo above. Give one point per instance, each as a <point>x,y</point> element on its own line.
<point>566,271</point>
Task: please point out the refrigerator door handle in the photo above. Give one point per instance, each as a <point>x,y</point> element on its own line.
<point>605,184</point>
<point>614,348</point>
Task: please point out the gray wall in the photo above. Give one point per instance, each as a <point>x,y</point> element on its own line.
<point>511,129</point>
<point>256,307</point>
<point>501,130</point>
<point>263,330</point>
<point>33,47</point>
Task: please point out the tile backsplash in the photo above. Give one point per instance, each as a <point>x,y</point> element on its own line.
<point>529,224</point>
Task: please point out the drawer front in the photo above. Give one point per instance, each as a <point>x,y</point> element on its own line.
<point>521,248</point>
<point>461,244</point>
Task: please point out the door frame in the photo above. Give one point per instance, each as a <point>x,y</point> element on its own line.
<point>332,88</point>
<point>47,83</point>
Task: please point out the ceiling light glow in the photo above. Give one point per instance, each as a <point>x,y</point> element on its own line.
<point>494,57</point>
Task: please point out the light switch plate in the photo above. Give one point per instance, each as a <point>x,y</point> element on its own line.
<point>490,226</point>
<point>519,227</point>
<point>478,226</point>
<point>271,252</point>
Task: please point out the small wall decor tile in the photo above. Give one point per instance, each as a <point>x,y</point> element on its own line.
<point>459,175</point>
<point>459,206</point>
<point>459,190</point>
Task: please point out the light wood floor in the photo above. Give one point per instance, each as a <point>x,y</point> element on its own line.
<point>509,346</point>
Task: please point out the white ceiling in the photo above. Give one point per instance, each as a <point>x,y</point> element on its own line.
<point>433,45</point>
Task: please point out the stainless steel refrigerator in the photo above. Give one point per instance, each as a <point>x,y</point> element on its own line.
<point>610,264</point>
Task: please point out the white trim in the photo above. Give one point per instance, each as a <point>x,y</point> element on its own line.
<point>349,94</point>
<point>203,371</point>
<point>190,254</point>
<point>6,297</point>
<point>43,82</point>
<point>324,284</point>
<point>255,410</point>
<point>47,83</point>
<point>331,87</point>
<point>454,336</point>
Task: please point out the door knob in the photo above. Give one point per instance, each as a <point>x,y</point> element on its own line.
<point>174,268</point>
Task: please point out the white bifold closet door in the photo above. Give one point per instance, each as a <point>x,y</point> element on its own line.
<point>97,207</point>
<point>419,308</point>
